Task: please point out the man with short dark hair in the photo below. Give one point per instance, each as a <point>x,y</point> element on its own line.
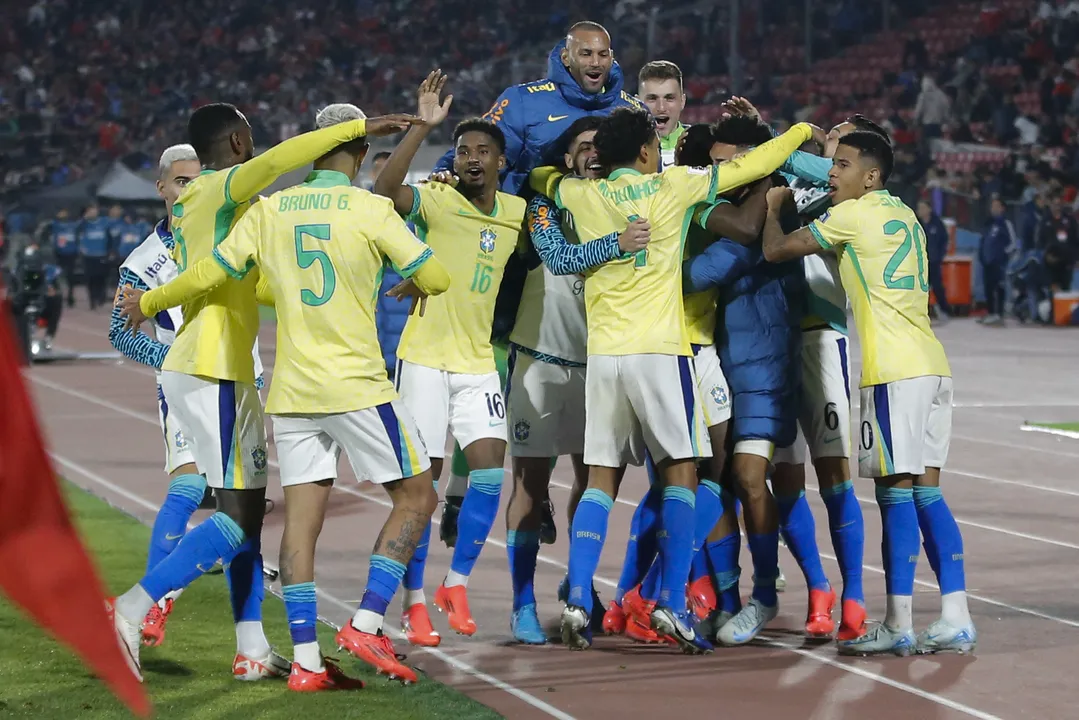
<point>936,247</point>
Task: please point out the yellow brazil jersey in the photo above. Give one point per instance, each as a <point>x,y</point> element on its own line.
<point>700,308</point>
<point>321,246</point>
<point>634,305</point>
<point>220,327</point>
<point>454,333</point>
<point>883,266</point>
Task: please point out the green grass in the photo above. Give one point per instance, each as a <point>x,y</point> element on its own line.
<point>1072,427</point>
<point>190,675</point>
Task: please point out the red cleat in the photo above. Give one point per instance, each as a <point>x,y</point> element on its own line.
<point>637,608</point>
<point>853,623</point>
<point>153,627</point>
<point>454,602</point>
<point>377,650</point>
<point>819,621</point>
<point>331,678</point>
<point>701,597</point>
<point>614,620</point>
<point>417,626</point>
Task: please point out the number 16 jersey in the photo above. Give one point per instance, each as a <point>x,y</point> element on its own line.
<point>883,265</point>
<point>454,333</point>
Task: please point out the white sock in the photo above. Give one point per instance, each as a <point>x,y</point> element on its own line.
<point>134,604</point>
<point>414,597</point>
<point>367,621</point>
<point>454,579</point>
<point>309,656</point>
<point>900,615</point>
<point>171,596</point>
<point>456,486</point>
<point>953,609</point>
<point>251,639</point>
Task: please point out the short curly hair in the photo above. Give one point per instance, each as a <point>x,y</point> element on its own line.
<point>621,135</point>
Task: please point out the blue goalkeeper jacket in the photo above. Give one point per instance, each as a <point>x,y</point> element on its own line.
<point>534,115</point>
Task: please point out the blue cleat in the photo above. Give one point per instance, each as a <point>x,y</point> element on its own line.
<point>680,627</point>
<point>945,637</point>
<point>880,639</point>
<point>576,628</point>
<point>525,625</point>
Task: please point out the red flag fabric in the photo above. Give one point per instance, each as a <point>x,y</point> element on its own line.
<point>43,566</point>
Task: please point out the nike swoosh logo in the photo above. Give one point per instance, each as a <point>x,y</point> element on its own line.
<point>170,538</point>
<point>556,118</point>
<point>830,440</point>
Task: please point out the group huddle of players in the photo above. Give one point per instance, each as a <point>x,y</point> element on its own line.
<point>684,306</point>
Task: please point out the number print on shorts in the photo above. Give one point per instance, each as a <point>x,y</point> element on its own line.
<point>867,435</point>
<point>831,417</point>
<point>494,405</point>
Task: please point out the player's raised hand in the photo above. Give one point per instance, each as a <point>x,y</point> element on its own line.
<point>408,288</point>
<point>430,110</point>
<point>635,237</point>
<point>445,177</point>
<point>819,136</point>
<point>740,106</point>
<point>391,124</point>
<point>777,197</point>
<point>130,310</point>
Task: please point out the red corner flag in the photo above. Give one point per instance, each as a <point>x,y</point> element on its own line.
<point>43,566</point>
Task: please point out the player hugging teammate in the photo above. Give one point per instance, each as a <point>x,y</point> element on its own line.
<point>684,307</point>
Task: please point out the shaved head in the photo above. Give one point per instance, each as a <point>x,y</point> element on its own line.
<point>588,56</point>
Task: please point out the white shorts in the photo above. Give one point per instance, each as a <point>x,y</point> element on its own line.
<point>470,407</point>
<point>177,446</point>
<point>906,426</point>
<point>637,401</point>
<point>824,422</point>
<point>712,387</point>
<point>225,426</point>
<point>545,407</point>
<point>381,442</point>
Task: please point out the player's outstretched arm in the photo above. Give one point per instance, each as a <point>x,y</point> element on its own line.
<point>763,160</point>
<point>565,258</point>
<point>808,167</point>
<point>777,245</point>
<point>741,223</point>
<point>717,266</point>
<point>139,346</point>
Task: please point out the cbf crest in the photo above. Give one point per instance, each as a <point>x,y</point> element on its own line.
<point>258,456</point>
<point>487,240</point>
<point>719,395</point>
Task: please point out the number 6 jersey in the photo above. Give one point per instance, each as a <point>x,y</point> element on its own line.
<point>885,272</point>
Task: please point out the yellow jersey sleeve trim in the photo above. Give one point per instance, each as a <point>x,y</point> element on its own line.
<point>702,217</point>
<point>414,213</point>
<point>409,270</point>
<point>818,236</point>
<point>228,186</point>
<point>233,272</point>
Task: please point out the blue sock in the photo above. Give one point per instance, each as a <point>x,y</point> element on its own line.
<point>652,583</point>
<point>414,570</point>
<point>800,533</point>
<point>219,538</point>
<point>522,546</point>
<point>588,532</point>
<point>723,557</point>
<point>301,607</point>
<point>765,551</point>
<point>244,575</point>
<point>709,506</point>
<point>900,544</point>
<point>676,546</point>
<point>478,512</point>
<point>170,525</point>
<point>383,579</point>
<point>942,539</point>
<point>641,549</point>
<point>847,528</point>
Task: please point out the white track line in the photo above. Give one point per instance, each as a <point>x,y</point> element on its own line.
<point>434,652</point>
<point>1051,431</point>
<point>1016,446</point>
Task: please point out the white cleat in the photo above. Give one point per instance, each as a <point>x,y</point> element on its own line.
<point>747,624</point>
<point>880,639</point>
<point>251,669</point>
<point>711,625</point>
<point>944,637</point>
<point>575,628</point>
<point>781,581</point>
<point>129,635</point>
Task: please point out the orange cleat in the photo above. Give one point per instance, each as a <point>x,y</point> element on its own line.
<point>853,623</point>
<point>417,626</point>
<point>637,607</point>
<point>819,621</point>
<point>331,678</point>
<point>153,627</point>
<point>614,620</point>
<point>375,649</point>
<point>701,597</point>
<point>454,602</point>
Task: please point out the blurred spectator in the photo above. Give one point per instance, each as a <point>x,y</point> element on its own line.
<point>933,109</point>
<point>1060,238</point>
<point>936,248</point>
<point>997,243</point>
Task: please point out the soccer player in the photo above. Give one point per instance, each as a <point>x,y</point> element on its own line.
<point>208,376</point>
<point>320,247</point>
<point>151,265</point>
<point>445,363</point>
<point>640,383</point>
<point>546,384</point>
<point>906,404</point>
<point>92,238</point>
<point>659,86</point>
